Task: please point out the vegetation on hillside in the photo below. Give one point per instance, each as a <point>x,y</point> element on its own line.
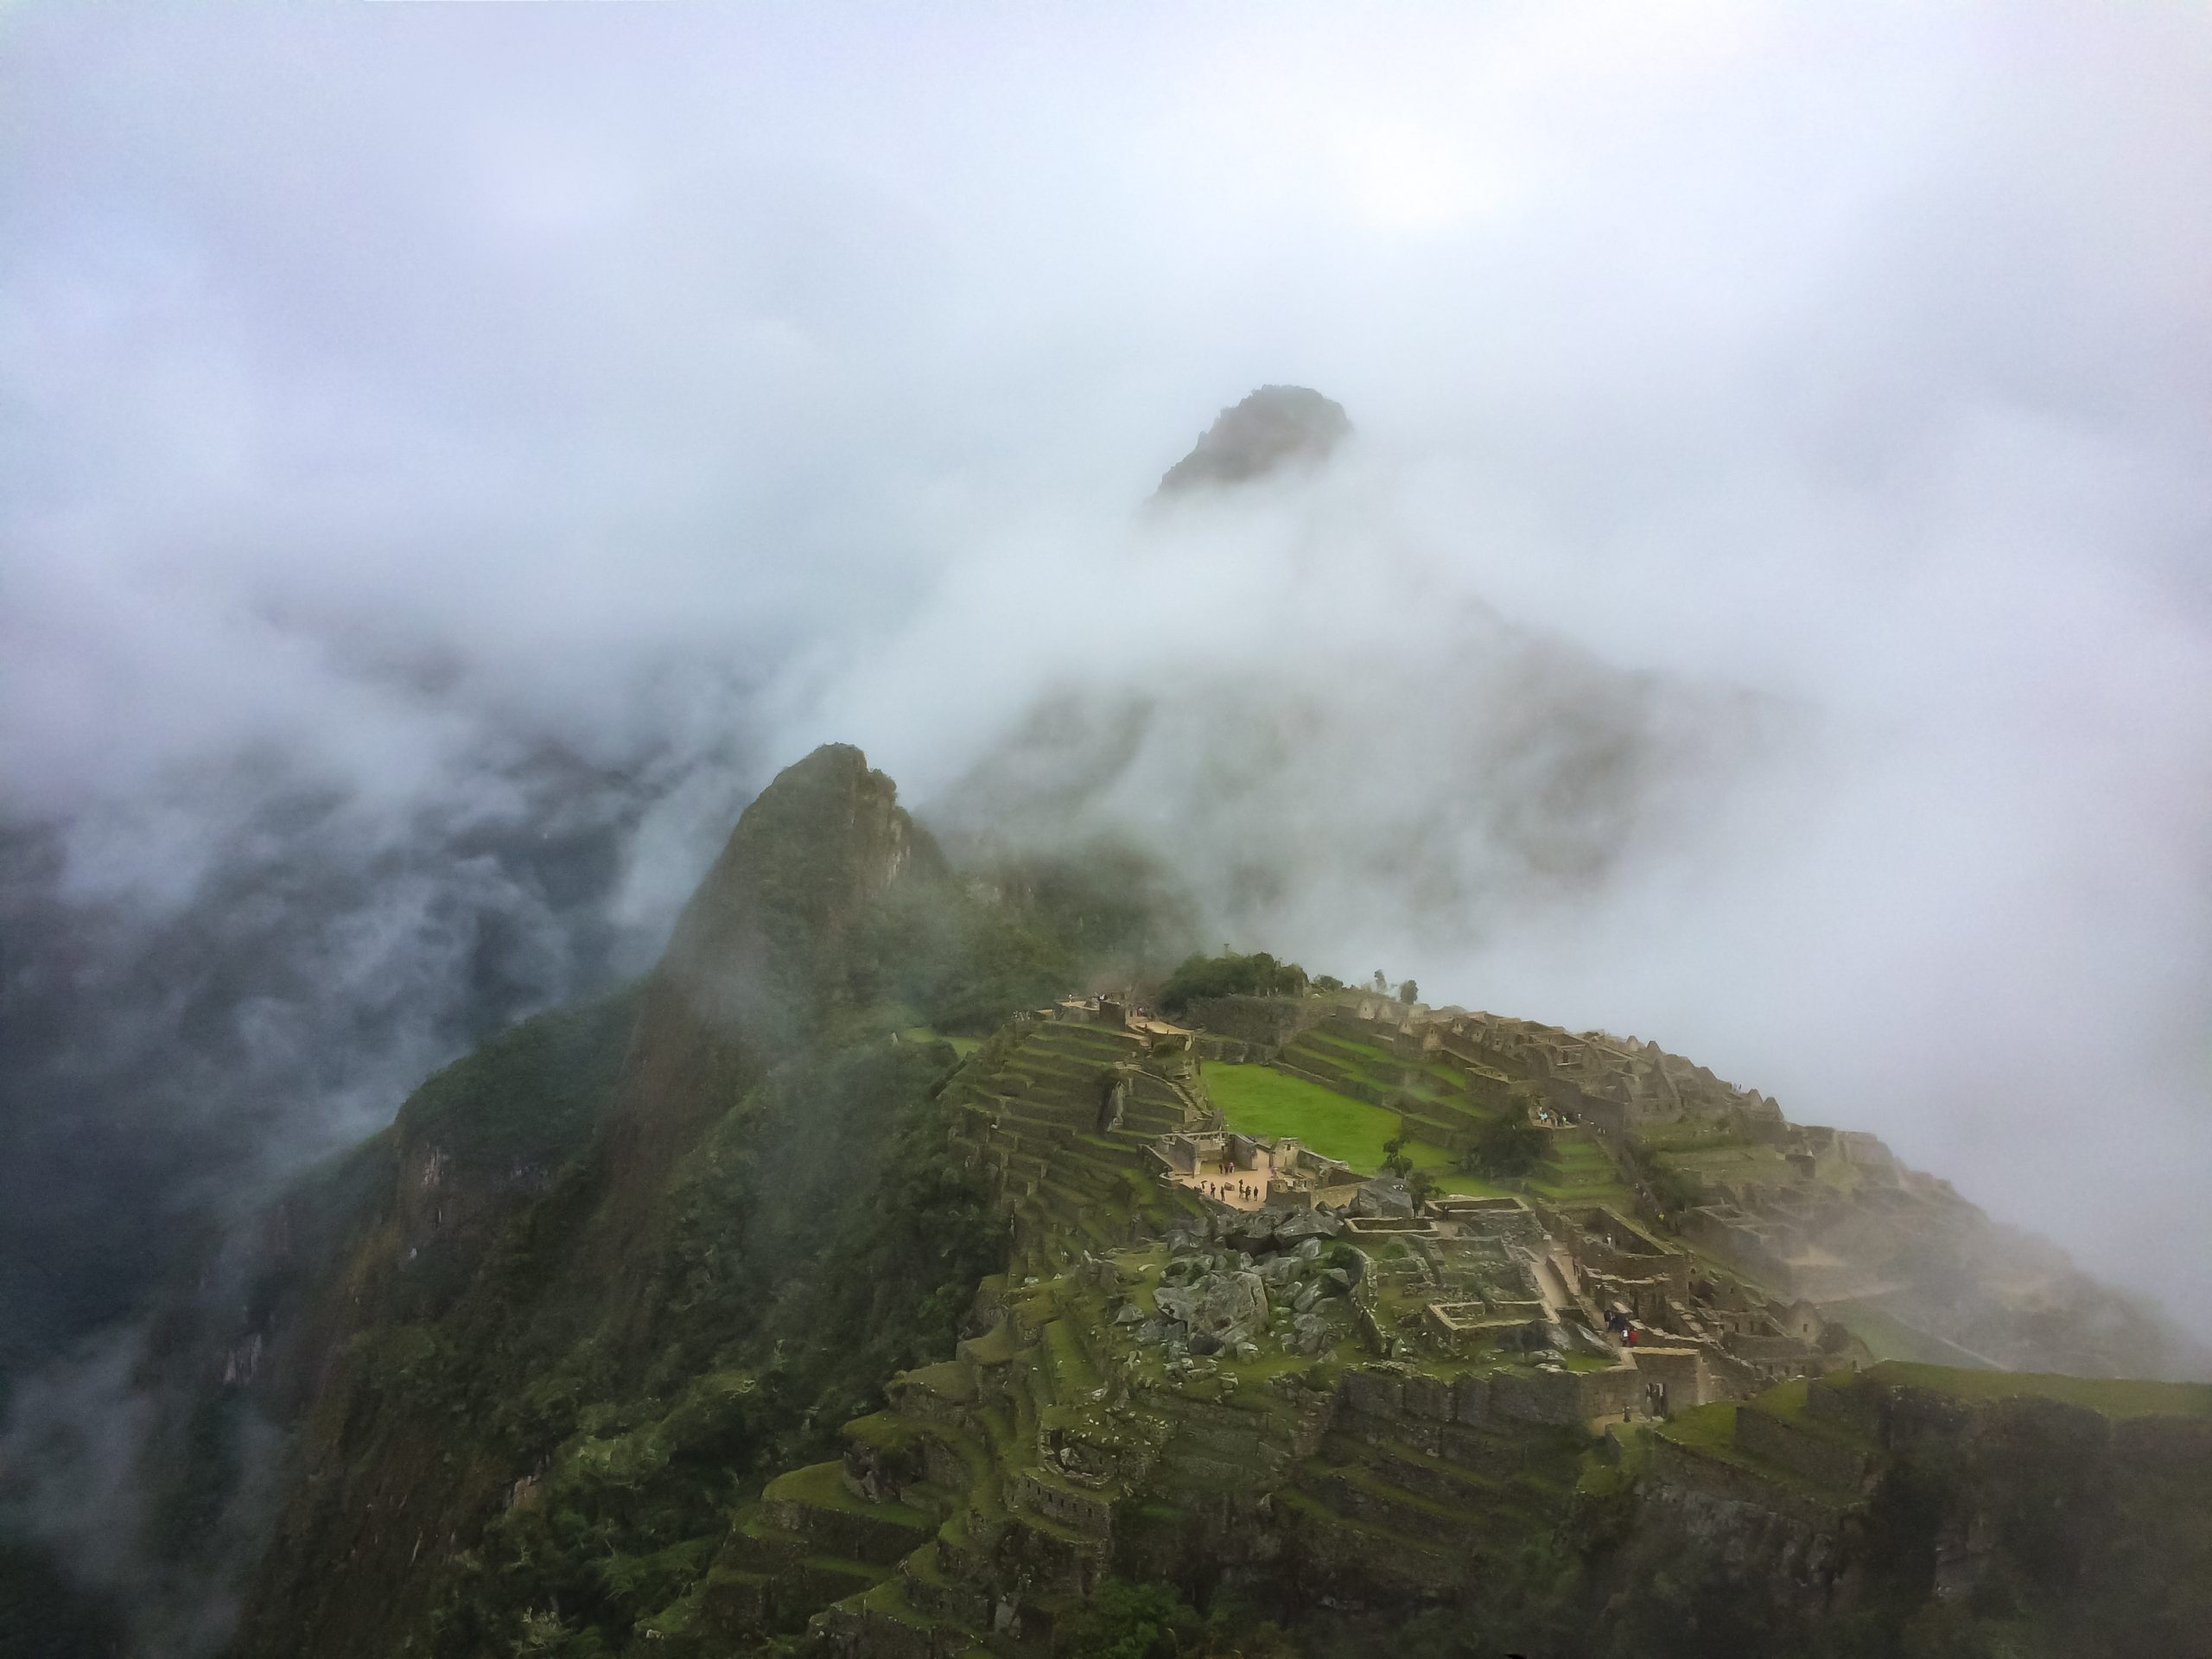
<point>44,1615</point>
<point>1506,1146</point>
<point>531,1095</point>
<point>815,1237</point>
<point>524,1440</point>
<point>965,953</point>
<point>1230,975</point>
<point>819,1240</point>
<point>2017,1532</point>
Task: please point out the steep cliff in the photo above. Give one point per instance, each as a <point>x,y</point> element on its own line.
<point>601,1270</point>
<point>1912,1509</point>
<point>761,955</point>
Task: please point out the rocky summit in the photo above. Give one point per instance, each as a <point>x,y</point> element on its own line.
<point>1274,429</point>
<point>918,1264</point>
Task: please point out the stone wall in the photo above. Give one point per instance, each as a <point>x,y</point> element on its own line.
<point>1268,1021</point>
<point>1609,1393</point>
<point>1087,1512</point>
<point>1683,1370</point>
<point>1414,1400</point>
<point>1553,1397</point>
<point>1674,1465</point>
<point>1234,1051</point>
<point>1368,1092</point>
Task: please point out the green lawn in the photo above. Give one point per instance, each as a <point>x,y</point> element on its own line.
<point>1710,1428</point>
<point>1258,1100</point>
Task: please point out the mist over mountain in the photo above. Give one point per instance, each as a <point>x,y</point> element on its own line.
<point>1275,428</point>
<point>1395,742</point>
<point>1716,553</point>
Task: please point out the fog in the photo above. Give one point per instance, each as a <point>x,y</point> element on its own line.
<point>453,456</point>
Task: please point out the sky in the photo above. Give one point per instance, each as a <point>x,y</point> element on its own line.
<point>425,432</point>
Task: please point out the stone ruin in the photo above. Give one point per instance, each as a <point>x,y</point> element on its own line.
<point>1283,1170</point>
<point>1245,1280</point>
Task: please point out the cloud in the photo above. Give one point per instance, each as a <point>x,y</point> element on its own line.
<point>448,458</point>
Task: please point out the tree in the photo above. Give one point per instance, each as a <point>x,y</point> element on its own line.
<point>1507,1146</point>
<point>1230,975</point>
<point>1129,1621</point>
<point>1395,1159</point>
<point>1327,982</point>
<point>1381,983</point>
<point>1409,992</point>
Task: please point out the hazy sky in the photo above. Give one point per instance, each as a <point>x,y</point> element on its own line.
<point>385,391</point>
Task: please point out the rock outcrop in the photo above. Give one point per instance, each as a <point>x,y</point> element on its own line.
<point>1275,428</point>
<point>758,955</point>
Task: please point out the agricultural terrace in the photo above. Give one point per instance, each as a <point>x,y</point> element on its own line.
<point>1257,1100</point>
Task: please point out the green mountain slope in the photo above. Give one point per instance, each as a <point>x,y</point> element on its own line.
<point>744,1313</point>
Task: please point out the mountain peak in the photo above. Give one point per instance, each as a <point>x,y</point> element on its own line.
<point>759,953</point>
<point>1273,428</point>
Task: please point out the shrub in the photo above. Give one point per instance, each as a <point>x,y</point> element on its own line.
<point>1230,975</point>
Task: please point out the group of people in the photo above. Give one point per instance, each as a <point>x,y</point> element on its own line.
<point>1245,1191</point>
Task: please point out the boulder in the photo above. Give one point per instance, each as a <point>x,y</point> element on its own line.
<point>1236,1305</point>
<point>1255,1232</point>
<point>1311,1336</point>
<point>1180,1302</point>
<point>1229,1306</point>
<point>1383,1198</point>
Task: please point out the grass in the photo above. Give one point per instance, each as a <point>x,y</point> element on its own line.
<point>1370,1064</point>
<point>1892,1338</point>
<point>1256,1099</point>
<point>1457,1180</point>
<point>822,1486</point>
<point>1740,1165</point>
<point>1710,1428</point>
<point>1785,1401</point>
<point>1073,1375</point>
<point>2111,1396</point>
<point>1260,1100</point>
